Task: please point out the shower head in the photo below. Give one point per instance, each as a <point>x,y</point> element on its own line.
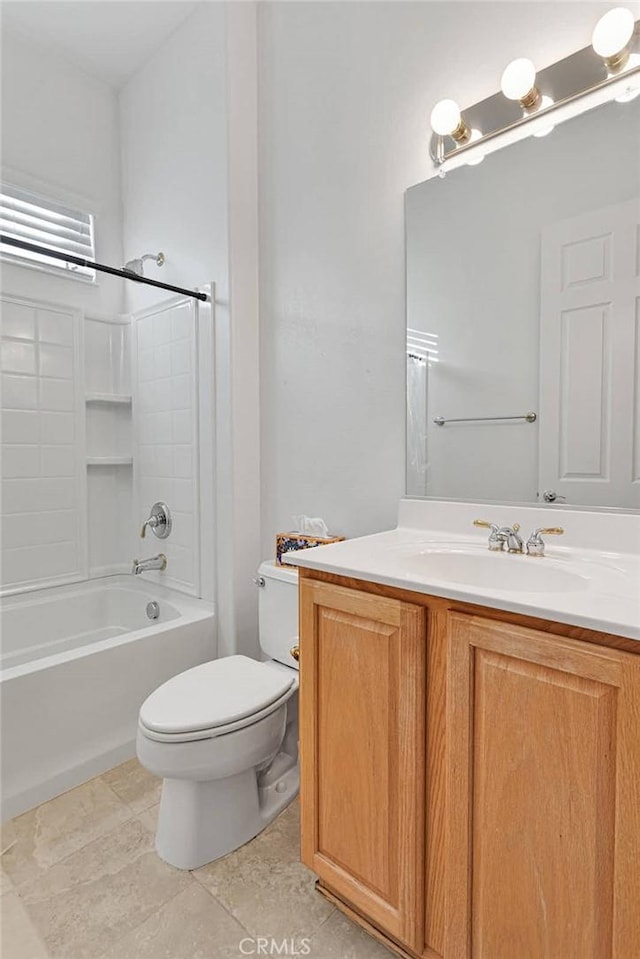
<point>137,266</point>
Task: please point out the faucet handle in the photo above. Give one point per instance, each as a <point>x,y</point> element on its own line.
<point>153,522</point>
<point>484,524</point>
<point>496,537</point>
<point>535,543</point>
<point>159,521</point>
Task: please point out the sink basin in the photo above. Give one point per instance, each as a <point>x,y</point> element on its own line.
<point>493,570</point>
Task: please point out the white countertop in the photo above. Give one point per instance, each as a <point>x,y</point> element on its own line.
<point>601,548</point>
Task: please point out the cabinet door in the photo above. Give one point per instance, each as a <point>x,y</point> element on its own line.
<point>362,706</point>
<point>543,815</point>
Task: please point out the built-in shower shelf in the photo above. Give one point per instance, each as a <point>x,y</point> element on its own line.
<point>109,460</point>
<point>119,399</point>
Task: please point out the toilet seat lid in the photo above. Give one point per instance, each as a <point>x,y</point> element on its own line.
<point>214,694</point>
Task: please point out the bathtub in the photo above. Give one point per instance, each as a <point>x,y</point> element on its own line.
<point>76,663</point>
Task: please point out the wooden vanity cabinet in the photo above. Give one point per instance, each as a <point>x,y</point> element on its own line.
<point>470,785</point>
<point>543,795</point>
<point>362,708</point>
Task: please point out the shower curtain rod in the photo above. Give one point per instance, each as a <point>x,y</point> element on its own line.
<point>92,265</point>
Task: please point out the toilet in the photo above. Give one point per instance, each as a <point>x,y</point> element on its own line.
<point>224,737</point>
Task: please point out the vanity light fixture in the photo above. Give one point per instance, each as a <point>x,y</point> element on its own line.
<point>612,37</point>
<point>446,120</point>
<point>519,83</point>
<point>531,102</point>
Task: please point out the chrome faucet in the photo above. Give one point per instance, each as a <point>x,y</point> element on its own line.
<point>502,536</point>
<point>154,562</point>
<point>512,539</point>
<point>508,536</point>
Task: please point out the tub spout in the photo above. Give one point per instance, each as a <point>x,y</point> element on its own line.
<point>154,562</point>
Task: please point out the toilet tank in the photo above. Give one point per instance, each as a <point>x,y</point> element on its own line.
<point>278,611</point>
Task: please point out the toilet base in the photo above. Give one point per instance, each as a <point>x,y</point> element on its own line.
<point>202,821</point>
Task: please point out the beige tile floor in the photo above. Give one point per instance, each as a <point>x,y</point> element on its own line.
<point>80,880</point>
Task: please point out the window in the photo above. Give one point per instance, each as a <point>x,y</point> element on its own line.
<point>36,219</point>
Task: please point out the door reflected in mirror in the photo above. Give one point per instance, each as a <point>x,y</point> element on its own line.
<point>523,293</point>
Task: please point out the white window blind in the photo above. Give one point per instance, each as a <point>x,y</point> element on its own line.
<point>36,219</point>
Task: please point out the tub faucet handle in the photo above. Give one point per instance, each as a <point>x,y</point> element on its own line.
<point>152,523</point>
<point>159,521</point>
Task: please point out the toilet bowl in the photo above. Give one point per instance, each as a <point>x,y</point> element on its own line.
<point>224,738</point>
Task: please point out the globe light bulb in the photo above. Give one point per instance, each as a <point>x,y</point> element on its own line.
<point>518,79</point>
<point>445,117</point>
<point>446,120</point>
<point>611,36</point>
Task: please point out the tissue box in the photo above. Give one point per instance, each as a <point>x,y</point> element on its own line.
<point>285,542</point>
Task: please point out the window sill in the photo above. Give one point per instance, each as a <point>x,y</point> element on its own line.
<point>8,259</point>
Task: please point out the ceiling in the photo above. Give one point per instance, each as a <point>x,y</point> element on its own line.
<point>109,39</point>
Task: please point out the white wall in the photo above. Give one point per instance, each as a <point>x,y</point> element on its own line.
<point>346,91</point>
<point>60,138</point>
<point>239,486</point>
<point>189,129</point>
<point>174,158</point>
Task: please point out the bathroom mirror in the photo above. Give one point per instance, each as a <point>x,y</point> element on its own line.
<point>523,320</point>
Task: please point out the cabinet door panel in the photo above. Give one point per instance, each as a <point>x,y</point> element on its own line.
<point>362,751</point>
<point>542,739</point>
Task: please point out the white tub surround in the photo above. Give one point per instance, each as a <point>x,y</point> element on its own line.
<point>589,577</point>
<point>77,662</point>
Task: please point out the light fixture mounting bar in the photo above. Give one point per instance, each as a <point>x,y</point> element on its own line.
<point>567,80</point>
